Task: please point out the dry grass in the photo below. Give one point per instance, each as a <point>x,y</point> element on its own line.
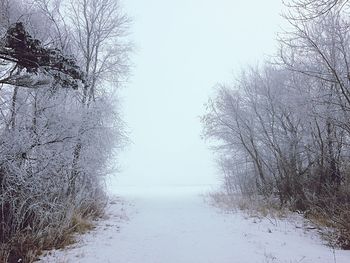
<point>81,225</point>
<point>27,245</point>
<point>333,227</point>
<point>253,206</point>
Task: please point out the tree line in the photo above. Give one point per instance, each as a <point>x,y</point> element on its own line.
<point>282,130</point>
<point>61,66</point>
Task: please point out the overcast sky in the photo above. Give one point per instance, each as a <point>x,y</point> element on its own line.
<point>184,48</point>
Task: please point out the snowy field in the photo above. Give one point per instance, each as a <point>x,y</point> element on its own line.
<point>174,225</point>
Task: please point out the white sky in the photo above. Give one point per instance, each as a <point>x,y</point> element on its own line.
<point>185,47</point>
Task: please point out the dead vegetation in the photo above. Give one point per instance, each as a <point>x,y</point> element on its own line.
<point>333,229</point>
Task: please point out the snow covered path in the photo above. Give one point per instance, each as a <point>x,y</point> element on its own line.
<point>174,225</point>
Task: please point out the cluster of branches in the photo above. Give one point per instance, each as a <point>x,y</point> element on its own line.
<point>59,124</point>
<point>30,56</point>
<point>283,130</point>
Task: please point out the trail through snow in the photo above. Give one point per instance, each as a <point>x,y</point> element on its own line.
<point>174,225</point>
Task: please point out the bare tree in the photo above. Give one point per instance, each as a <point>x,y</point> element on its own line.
<point>99,30</point>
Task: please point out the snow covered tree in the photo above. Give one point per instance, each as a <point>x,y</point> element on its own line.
<point>282,130</point>
<point>59,123</point>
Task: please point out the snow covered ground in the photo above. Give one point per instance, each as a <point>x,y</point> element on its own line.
<point>174,225</point>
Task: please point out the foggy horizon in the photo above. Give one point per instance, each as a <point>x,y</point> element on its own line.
<point>178,62</point>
